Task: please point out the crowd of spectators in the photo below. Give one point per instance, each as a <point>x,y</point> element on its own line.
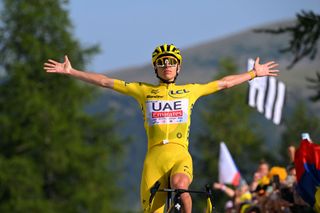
<point>273,189</point>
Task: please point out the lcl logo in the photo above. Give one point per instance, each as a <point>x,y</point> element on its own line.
<point>178,93</point>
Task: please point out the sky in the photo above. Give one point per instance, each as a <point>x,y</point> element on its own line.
<point>128,31</point>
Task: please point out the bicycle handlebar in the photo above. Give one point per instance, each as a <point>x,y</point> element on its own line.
<point>181,191</point>
<point>155,188</point>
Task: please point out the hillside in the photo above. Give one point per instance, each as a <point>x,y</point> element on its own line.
<point>200,65</point>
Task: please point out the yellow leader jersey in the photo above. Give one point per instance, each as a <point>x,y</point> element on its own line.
<point>166,108</point>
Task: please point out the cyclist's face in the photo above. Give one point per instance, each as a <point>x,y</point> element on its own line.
<point>167,67</point>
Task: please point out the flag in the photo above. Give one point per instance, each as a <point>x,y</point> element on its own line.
<point>307,164</point>
<point>228,172</point>
<point>267,94</point>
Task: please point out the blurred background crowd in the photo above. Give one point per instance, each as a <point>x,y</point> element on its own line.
<point>273,189</point>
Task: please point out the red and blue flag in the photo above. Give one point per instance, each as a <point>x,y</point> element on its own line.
<point>307,164</point>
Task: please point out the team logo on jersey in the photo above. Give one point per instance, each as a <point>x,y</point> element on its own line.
<point>178,93</point>
<point>155,91</point>
<point>167,112</point>
<point>154,94</point>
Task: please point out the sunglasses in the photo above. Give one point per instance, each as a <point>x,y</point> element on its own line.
<point>170,62</point>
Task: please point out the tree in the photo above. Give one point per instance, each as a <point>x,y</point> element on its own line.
<point>305,37</point>
<point>227,118</point>
<point>54,157</point>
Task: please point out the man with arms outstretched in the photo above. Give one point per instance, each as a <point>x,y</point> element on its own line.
<point>167,110</point>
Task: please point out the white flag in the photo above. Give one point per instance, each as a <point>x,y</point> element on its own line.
<point>267,94</point>
<point>228,172</point>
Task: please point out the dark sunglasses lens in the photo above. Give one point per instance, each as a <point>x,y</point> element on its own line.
<point>169,61</point>
<point>172,61</point>
<point>160,62</point>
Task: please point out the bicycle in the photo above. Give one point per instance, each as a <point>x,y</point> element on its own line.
<point>174,204</point>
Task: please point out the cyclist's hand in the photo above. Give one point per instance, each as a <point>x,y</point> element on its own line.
<point>53,66</point>
<point>265,69</point>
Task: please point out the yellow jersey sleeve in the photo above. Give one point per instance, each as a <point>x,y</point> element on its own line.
<point>205,89</point>
<point>134,89</point>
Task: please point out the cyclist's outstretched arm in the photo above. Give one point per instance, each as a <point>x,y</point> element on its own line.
<point>52,66</point>
<point>259,70</point>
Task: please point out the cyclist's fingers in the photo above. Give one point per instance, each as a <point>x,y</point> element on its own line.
<point>49,65</point>
<point>273,65</point>
<point>51,70</point>
<point>66,59</point>
<point>270,63</point>
<point>53,61</point>
<point>257,61</point>
<point>273,74</point>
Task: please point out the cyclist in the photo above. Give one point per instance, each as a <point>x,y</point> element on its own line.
<point>166,109</point>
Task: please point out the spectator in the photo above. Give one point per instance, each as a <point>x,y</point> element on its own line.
<point>239,195</point>
<point>260,178</point>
